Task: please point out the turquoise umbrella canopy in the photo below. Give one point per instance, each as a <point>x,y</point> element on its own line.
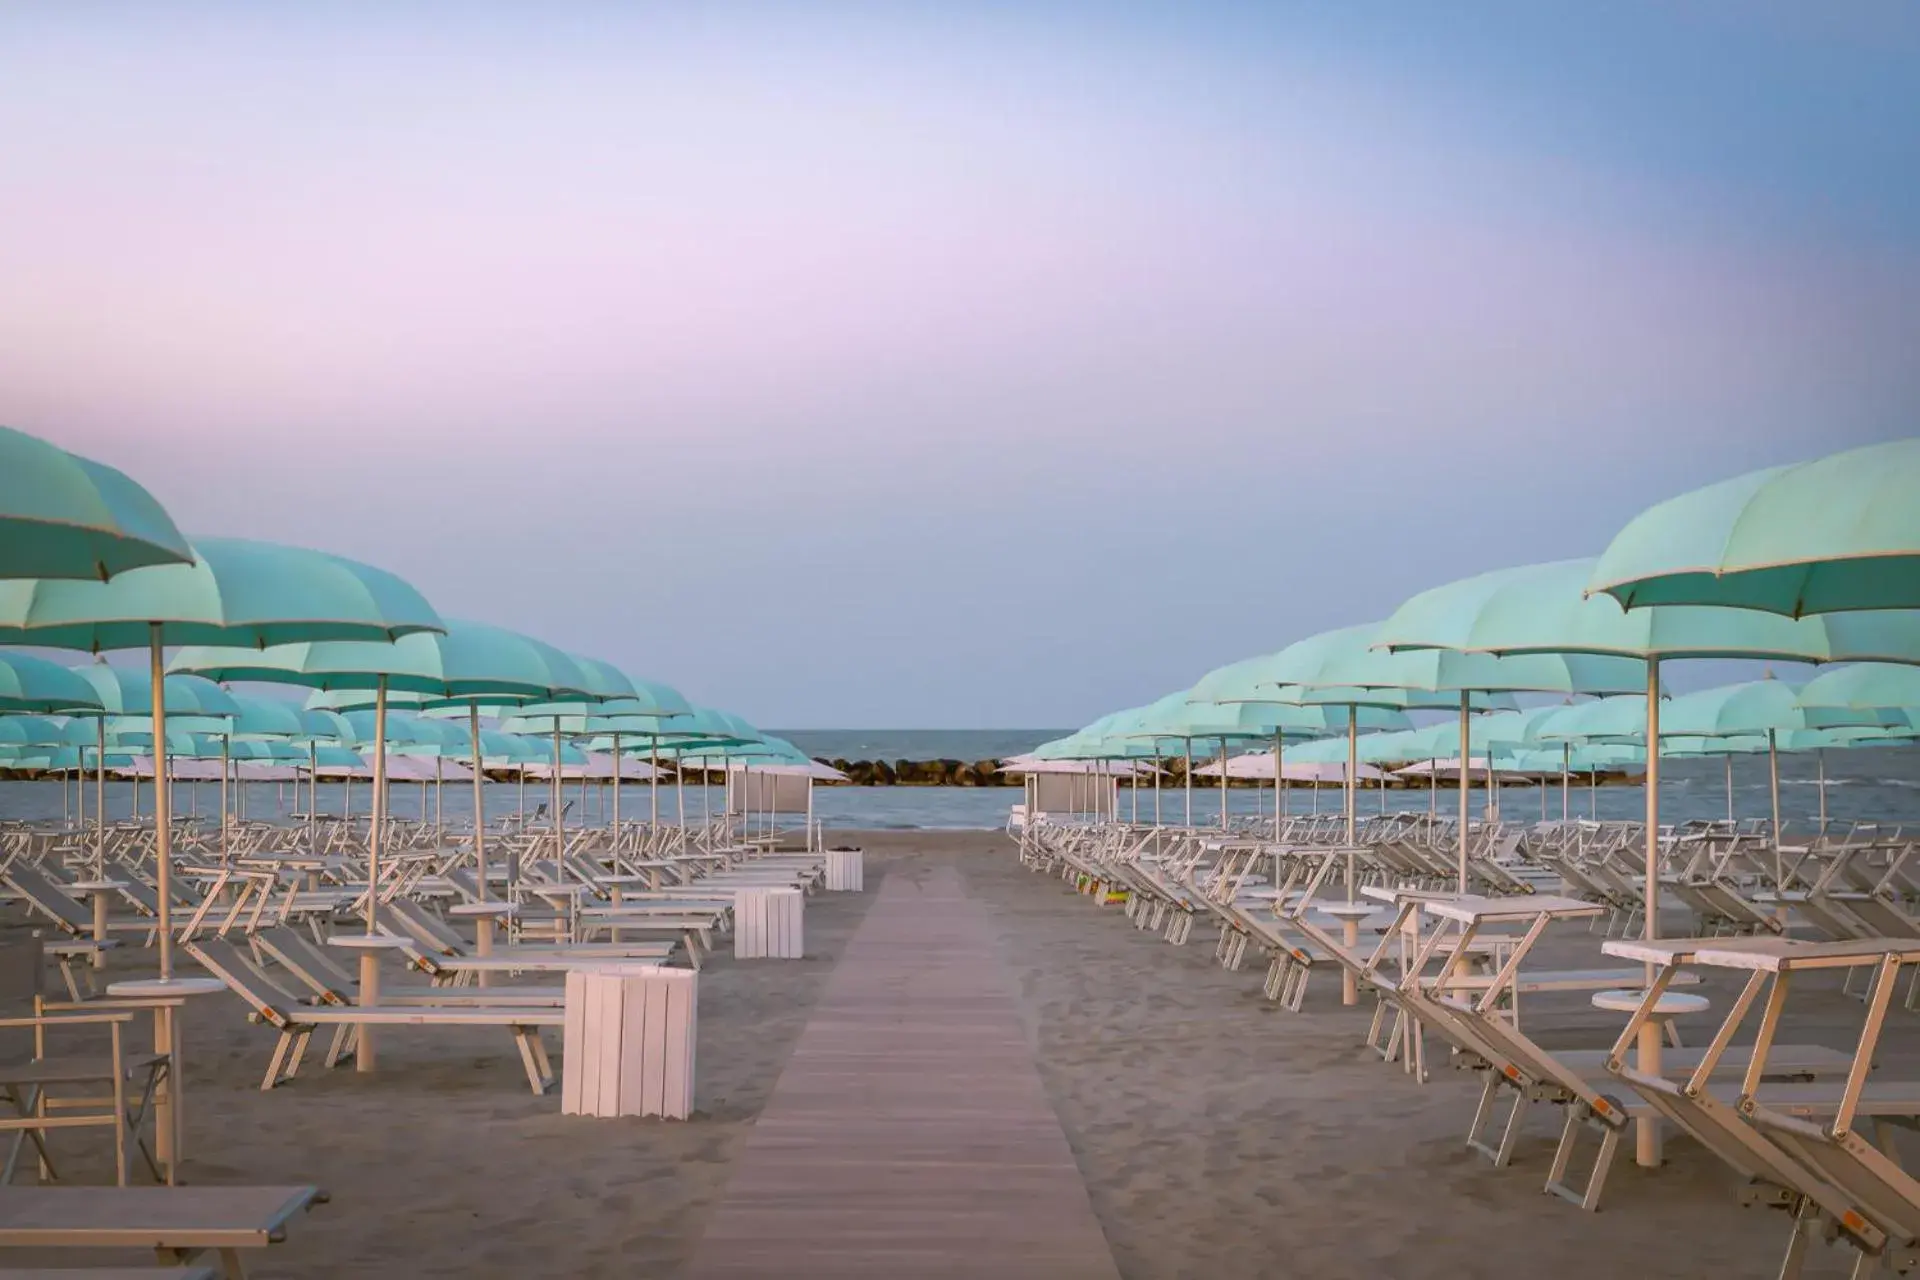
<point>236,592</point>
<point>64,516</point>
<point>1545,609</point>
<point>1866,686</point>
<point>1342,668</point>
<point>468,662</point>
<point>28,683</point>
<point>128,691</point>
<point>1838,533</point>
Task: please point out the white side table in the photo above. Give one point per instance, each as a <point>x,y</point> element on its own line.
<point>1659,1024</point>
<point>369,945</point>
<point>101,892</point>
<point>1349,914</point>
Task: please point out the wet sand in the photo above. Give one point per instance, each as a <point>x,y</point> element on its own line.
<point>1217,1136</point>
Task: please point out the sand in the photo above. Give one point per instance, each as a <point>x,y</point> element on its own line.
<point>1218,1136</point>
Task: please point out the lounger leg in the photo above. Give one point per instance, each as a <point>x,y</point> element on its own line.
<point>274,1063</point>
<point>526,1060</point>
<point>338,1048</point>
<point>231,1266</point>
<point>299,1052</point>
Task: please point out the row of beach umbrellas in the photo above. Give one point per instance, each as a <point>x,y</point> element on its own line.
<point>91,562</point>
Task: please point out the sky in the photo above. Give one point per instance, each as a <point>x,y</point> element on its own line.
<point>914,365</point>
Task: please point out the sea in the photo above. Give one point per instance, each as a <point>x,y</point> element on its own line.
<point>1866,784</point>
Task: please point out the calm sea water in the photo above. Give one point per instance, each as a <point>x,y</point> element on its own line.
<point>1880,783</point>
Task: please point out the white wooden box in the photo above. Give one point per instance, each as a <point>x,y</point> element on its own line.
<point>768,924</point>
<point>845,871</point>
<point>629,1041</point>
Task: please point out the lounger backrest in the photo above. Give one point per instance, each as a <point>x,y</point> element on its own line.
<point>45,896</point>
<point>234,967</point>
<point>313,968</point>
<point>426,926</point>
<point>394,917</point>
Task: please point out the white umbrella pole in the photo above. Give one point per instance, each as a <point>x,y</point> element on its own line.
<point>680,794</point>
<point>313,788</point>
<point>1433,790</point>
<point>1279,781</point>
<point>1729,761</point>
<point>439,797</point>
<point>479,801</point>
<point>616,796</point>
<point>558,794</point>
<point>379,812</point>
<point>162,810</point>
<point>346,812</point>
<point>1353,780</point>
<point>1466,776</point>
<point>523,794</point>
<point>1820,763</point>
<point>1646,1144</point>
<point>1566,759</point>
<point>1223,784</point>
<point>100,794</point>
<point>226,768</point>
<point>1189,784</point>
<point>1593,794</point>
<point>134,811</point>
<point>653,784</point>
<point>1157,771</point>
<point>1773,786</point>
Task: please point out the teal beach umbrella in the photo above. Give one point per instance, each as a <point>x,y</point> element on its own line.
<point>64,516</point>
<point>1836,534</point>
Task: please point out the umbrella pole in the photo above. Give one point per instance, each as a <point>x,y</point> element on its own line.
<point>226,768</point>
<point>616,799</point>
<point>1593,794</point>
<point>379,821</point>
<point>1279,781</point>
<point>559,796</point>
<point>1646,1143</point>
<point>479,801</point>
<point>1157,771</point>
<point>100,796</point>
<point>162,815</point>
<point>1773,786</point>
<point>313,787</point>
<point>1566,760</point>
<point>1223,784</point>
<point>1189,784</point>
<point>523,794</point>
<point>1352,799</point>
<point>439,796</point>
<point>1820,763</point>
<point>1466,775</point>
<point>134,811</point>
<point>1353,781</point>
<point>363,1047</point>
<point>653,785</point>
<point>1729,761</point>
<point>1433,790</point>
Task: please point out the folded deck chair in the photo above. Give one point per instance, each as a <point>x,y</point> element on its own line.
<point>1861,1192</point>
<point>296,1022</point>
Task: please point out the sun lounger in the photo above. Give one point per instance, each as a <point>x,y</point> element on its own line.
<point>177,1223</point>
<point>327,982</point>
<point>296,1023</point>
<point>1856,1188</point>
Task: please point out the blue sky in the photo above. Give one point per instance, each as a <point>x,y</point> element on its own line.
<point>915,365</point>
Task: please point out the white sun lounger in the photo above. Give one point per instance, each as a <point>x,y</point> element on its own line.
<point>296,1023</point>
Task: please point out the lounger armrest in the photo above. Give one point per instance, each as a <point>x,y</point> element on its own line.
<point>65,1019</point>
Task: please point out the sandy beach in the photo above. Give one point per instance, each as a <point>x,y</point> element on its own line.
<point>1217,1136</point>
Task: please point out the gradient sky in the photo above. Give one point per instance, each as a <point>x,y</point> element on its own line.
<point>952,365</point>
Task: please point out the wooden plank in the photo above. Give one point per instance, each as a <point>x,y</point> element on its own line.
<point>909,1133</point>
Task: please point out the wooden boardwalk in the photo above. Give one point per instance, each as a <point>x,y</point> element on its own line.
<point>909,1135</point>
